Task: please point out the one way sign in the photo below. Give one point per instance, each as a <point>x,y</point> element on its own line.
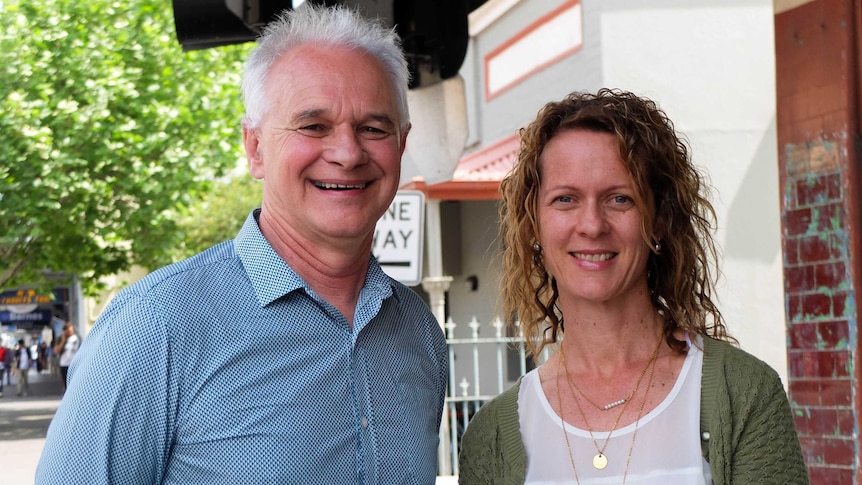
<point>398,237</point>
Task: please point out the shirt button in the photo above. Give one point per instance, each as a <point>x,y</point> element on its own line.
<point>364,422</point>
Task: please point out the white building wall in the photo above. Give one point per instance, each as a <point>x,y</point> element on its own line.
<point>711,66</point>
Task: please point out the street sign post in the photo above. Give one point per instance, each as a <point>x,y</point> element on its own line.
<point>399,235</point>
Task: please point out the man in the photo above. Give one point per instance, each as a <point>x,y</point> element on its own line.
<point>66,349</point>
<point>23,358</point>
<point>285,355</point>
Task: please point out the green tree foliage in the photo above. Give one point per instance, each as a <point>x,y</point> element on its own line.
<point>108,131</point>
<point>218,215</point>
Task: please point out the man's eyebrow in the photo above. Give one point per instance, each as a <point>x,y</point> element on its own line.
<point>308,114</point>
<point>314,113</point>
<point>382,118</point>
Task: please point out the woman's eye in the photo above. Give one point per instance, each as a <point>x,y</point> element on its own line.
<point>622,202</point>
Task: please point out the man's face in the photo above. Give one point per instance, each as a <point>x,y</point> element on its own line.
<point>329,147</point>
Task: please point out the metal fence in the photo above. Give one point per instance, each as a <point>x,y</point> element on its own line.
<point>472,360</point>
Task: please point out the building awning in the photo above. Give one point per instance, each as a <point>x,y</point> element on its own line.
<point>477,176</point>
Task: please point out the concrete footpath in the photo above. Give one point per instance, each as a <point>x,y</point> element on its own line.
<point>23,425</point>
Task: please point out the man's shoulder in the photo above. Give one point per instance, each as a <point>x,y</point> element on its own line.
<point>214,265</point>
<point>183,285</point>
<point>412,305</point>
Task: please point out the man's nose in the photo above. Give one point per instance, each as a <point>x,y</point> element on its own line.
<point>344,147</point>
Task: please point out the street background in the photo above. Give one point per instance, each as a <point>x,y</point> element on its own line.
<point>23,425</point>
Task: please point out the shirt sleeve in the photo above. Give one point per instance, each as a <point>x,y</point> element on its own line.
<point>113,424</point>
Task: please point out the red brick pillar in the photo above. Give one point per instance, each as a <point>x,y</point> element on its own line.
<point>817,49</point>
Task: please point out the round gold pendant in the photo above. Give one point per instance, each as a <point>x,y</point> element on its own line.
<point>600,461</point>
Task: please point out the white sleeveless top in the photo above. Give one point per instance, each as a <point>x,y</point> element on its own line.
<point>666,449</point>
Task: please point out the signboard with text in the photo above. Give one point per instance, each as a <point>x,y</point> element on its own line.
<point>398,237</point>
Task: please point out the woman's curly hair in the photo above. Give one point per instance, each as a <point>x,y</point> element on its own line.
<point>679,276</point>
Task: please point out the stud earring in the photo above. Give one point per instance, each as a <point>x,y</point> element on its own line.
<point>536,247</point>
<point>657,247</point>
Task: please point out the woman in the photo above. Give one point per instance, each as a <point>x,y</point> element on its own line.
<point>607,252</point>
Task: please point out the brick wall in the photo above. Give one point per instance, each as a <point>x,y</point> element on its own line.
<point>817,87</point>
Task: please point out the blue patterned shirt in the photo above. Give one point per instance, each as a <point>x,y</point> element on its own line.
<point>226,368</point>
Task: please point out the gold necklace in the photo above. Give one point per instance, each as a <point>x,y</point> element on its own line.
<point>640,413</point>
<point>637,421</point>
<point>610,405</point>
<point>563,425</point>
<point>600,461</point>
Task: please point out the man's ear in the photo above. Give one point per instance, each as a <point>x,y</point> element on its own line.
<point>403,140</point>
<point>251,142</point>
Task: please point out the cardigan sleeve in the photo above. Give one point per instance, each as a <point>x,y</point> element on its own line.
<point>492,451</point>
<point>754,437</point>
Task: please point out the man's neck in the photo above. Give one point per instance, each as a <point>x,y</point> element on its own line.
<point>335,272</point>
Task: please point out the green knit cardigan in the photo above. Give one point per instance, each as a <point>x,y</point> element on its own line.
<point>747,431</point>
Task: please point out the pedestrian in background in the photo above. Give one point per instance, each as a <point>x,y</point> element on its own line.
<point>285,355</point>
<point>42,357</point>
<point>3,352</point>
<point>66,348</point>
<point>7,364</point>
<point>23,360</point>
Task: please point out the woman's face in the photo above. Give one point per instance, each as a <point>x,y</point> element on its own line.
<point>589,225</point>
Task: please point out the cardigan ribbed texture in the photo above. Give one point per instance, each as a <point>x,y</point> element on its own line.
<point>744,413</point>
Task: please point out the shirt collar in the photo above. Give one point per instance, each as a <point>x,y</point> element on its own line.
<point>272,278</point>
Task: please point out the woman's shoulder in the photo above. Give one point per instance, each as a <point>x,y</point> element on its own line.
<point>503,405</point>
<point>495,426</point>
<point>723,361</point>
<point>729,353</point>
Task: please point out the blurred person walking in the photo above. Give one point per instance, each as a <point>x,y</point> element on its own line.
<point>23,360</point>
<point>8,360</point>
<point>3,353</point>
<point>66,348</point>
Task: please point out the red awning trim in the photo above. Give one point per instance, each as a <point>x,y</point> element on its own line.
<point>477,176</point>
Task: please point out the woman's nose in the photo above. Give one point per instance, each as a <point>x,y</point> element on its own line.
<point>592,220</point>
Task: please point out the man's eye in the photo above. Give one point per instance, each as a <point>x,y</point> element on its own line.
<point>316,130</point>
<point>373,133</point>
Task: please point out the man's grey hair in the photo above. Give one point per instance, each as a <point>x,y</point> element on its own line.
<point>339,26</point>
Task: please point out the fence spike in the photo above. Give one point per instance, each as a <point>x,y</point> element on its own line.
<point>464,385</point>
<point>475,325</point>
<point>498,325</point>
<point>450,327</point>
